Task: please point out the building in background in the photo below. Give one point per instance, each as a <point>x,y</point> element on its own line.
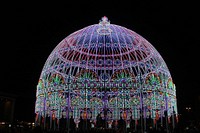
<point>7,107</point>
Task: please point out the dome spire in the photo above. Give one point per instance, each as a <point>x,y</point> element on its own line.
<point>104,18</point>
<point>104,21</point>
<point>104,28</point>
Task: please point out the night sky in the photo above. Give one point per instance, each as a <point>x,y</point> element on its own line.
<point>30,31</point>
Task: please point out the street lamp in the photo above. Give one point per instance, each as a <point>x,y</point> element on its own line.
<point>188,109</point>
<point>188,114</point>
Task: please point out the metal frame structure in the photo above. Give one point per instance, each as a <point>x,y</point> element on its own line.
<point>108,70</point>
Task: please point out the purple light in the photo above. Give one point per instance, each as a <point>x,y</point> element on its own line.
<point>110,66</point>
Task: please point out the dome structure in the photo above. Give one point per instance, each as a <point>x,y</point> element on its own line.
<point>108,70</point>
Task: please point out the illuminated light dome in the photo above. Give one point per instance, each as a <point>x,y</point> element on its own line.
<point>109,70</point>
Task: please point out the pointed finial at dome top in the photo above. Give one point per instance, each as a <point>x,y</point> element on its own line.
<point>104,21</point>
<point>104,28</point>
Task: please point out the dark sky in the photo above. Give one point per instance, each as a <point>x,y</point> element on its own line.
<point>30,31</point>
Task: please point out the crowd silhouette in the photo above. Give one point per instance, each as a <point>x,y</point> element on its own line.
<point>102,126</point>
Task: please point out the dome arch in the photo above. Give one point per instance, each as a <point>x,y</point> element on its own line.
<point>105,69</point>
